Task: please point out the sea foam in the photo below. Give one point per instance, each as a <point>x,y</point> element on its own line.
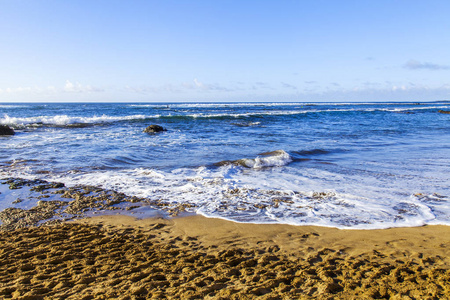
<point>276,158</point>
<point>282,196</point>
<point>61,120</point>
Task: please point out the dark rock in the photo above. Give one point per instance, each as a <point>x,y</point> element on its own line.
<point>444,111</point>
<point>6,130</point>
<point>154,129</point>
<point>42,187</point>
<point>18,183</point>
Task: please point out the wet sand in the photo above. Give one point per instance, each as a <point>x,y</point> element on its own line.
<point>119,257</point>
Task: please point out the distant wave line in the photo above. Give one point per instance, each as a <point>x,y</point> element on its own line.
<point>61,120</point>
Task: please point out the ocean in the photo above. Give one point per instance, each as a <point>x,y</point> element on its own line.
<point>344,165</point>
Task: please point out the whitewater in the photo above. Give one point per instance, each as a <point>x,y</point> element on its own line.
<point>344,165</point>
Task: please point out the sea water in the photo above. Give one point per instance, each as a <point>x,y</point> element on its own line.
<point>345,165</point>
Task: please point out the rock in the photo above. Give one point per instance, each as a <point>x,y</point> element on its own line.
<point>6,130</point>
<point>444,111</point>
<point>154,129</point>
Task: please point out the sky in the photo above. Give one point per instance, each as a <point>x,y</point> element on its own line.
<point>239,51</point>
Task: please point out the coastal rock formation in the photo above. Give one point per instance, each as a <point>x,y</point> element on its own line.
<point>6,130</point>
<point>154,129</point>
<point>444,111</point>
<point>56,203</point>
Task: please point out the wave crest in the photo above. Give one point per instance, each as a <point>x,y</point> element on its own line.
<point>65,120</point>
<point>277,158</point>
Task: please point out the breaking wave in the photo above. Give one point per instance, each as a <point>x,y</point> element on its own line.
<point>277,158</point>
<point>64,120</point>
<point>11,106</point>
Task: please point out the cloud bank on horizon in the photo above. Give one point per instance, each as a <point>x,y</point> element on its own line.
<point>224,51</point>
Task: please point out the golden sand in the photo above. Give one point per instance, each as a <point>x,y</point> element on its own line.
<point>119,257</point>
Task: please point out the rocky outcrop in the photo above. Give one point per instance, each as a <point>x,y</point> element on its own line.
<point>58,203</point>
<point>6,130</point>
<point>154,129</point>
<point>444,111</point>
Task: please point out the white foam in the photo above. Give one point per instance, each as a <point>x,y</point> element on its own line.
<point>61,120</point>
<point>278,195</point>
<point>12,106</point>
<point>271,104</point>
<point>273,159</point>
<point>249,114</point>
<point>217,105</point>
<point>296,112</point>
<point>373,105</point>
<point>413,108</point>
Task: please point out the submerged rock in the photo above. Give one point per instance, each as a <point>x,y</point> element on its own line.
<point>444,111</point>
<point>18,183</point>
<point>62,203</point>
<point>154,129</point>
<point>6,130</point>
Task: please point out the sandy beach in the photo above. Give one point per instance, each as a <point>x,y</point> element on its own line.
<point>120,257</point>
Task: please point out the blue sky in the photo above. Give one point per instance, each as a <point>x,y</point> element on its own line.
<point>156,51</point>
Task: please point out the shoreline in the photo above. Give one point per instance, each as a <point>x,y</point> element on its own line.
<point>33,202</point>
<point>427,239</point>
<point>194,257</point>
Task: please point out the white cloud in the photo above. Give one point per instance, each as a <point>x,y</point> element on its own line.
<point>178,88</point>
<point>153,89</point>
<point>51,89</point>
<point>198,84</point>
<point>398,92</point>
<point>401,88</point>
<point>78,88</point>
<point>197,90</point>
<point>211,86</point>
<point>416,65</point>
<point>69,87</point>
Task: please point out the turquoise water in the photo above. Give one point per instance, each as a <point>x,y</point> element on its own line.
<point>354,165</point>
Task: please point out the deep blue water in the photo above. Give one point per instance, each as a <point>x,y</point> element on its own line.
<point>363,165</point>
